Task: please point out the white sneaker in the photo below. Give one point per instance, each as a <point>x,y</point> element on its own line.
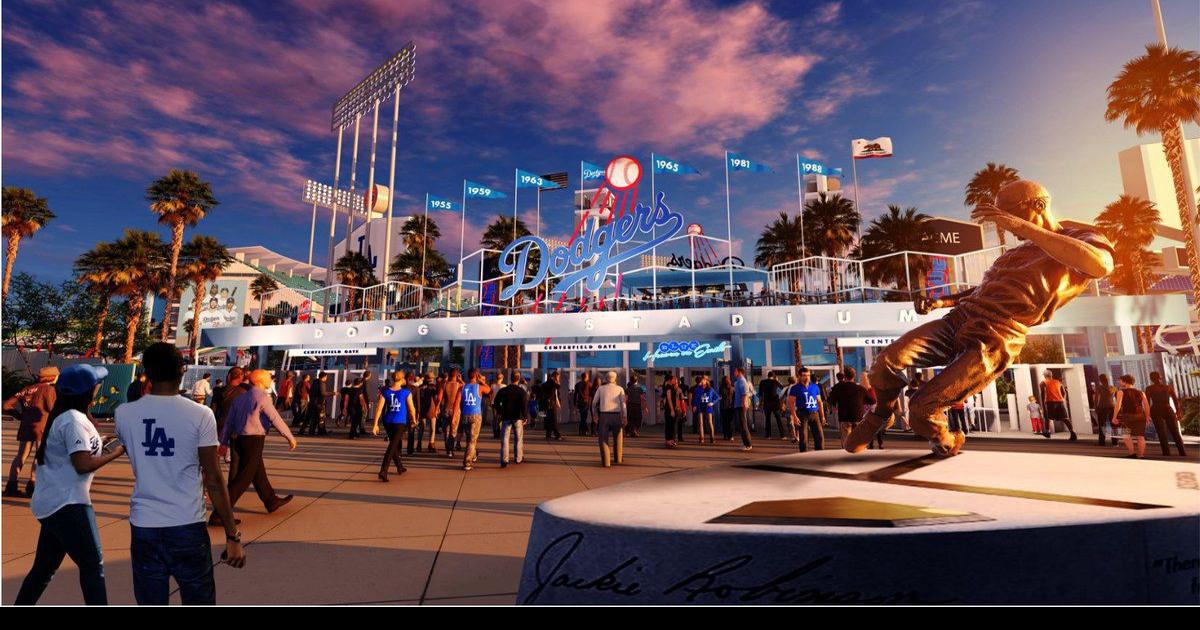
<point>747,448</point>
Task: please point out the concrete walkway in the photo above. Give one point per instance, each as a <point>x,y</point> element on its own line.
<point>435,535</point>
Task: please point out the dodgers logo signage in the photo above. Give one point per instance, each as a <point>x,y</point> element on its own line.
<point>687,349</point>
<point>655,225</point>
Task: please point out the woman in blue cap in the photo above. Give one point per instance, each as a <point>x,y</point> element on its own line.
<point>70,453</point>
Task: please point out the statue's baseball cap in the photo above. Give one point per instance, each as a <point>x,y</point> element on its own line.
<point>1014,197</point>
<point>48,373</point>
<point>81,378</point>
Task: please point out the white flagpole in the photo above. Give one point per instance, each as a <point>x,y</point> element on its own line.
<point>728,226</point>
<point>371,180</point>
<point>582,213</point>
<point>538,228</point>
<point>653,235</point>
<point>462,235</point>
<point>516,190</point>
<point>424,243</point>
<point>800,200</point>
<point>854,168</point>
<point>337,173</point>
<point>353,177</point>
<point>387,222</point>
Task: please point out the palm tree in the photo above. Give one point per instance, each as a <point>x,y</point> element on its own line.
<point>406,267</point>
<point>24,214</point>
<point>417,236</point>
<point>1155,93</point>
<point>1130,222</point>
<point>779,242</point>
<point>180,198</point>
<point>985,184</point>
<point>144,263</point>
<point>205,258</point>
<point>259,288</point>
<point>830,222</point>
<point>830,225</point>
<point>98,270</point>
<point>354,270</point>
<point>901,229</point>
<point>500,233</point>
<point>497,236</point>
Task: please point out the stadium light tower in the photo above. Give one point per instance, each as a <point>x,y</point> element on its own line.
<point>321,195</point>
<point>384,81</point>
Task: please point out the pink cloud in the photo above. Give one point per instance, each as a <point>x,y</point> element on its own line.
<point>678,74</point>
<point>877,193</point>
<point>215,87</point>
<point>843,88</point>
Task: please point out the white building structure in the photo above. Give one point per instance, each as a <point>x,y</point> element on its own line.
<point>1146,175</point>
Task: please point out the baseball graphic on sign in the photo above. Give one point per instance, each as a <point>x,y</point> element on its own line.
<point>623,172</point>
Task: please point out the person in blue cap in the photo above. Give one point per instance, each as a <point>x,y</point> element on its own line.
<point>68,457</point>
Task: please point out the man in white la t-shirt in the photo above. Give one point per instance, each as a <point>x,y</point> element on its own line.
<point>172,445</point>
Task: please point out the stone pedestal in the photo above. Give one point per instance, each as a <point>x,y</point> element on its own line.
<point>880,527</point>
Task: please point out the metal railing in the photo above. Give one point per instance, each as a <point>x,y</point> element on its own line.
<point>813,280</point>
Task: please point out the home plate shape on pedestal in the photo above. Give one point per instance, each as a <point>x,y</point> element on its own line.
<point>842,512</point>
<point>879,527</point>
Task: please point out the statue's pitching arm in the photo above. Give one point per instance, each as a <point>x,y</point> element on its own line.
<point>923,304</point>
<point>1089,260</point>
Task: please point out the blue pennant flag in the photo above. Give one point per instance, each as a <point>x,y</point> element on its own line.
<point>667,165</point>
<point>479,191</point>
<point>441,203</point>
<point>525,179</point>
<point>739,163</point>
<point>837,172</point>
<point>813,167</point>
<point>590,171</point>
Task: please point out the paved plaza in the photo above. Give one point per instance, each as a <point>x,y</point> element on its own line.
<point>435,535</point>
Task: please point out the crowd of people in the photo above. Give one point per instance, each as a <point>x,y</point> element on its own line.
<point>177,440</point>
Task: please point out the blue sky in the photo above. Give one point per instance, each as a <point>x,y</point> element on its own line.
<point>100,98</point>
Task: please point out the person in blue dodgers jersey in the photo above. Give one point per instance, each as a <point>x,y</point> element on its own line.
<point>807,410</point>
<point>742,409</point>
<point>704,400</point>
<point>68,457</point>
<point>472,414</point>
<point>395,406</point>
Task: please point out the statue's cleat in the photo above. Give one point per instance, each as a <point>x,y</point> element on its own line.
<point>864,433</point>
<point>960,438</point>
<point>948,444</point>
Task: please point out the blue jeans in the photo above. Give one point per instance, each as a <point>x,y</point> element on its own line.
<point>71,531</point>
<point>182,552</point>
<point>511,428</point>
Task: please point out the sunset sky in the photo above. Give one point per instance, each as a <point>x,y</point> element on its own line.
<point>101,98</point>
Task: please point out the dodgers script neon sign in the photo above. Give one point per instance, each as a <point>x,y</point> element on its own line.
<point>689,349</point>
<point>657,225</point>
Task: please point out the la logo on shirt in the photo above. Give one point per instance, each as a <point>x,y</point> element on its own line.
<point>469,398</point>
<point>156,442</point>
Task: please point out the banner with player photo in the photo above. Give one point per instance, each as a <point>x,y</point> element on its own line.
<point>223,305</point>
